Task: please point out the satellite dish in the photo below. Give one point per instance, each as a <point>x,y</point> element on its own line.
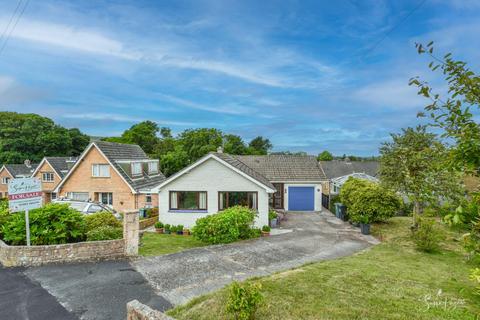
<point>27,163</point>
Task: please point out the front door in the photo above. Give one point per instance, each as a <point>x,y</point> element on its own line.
<point>278,196</point>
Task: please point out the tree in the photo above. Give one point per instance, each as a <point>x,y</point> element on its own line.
<point>198,142</point>
<point>453,113</point>
<point>173,161</point>
<point>30,136</point>
<point>234,144</point>
<point>414,165</point>
<point>325,156</point>
<point>144,134</point>
<point>259,146</point>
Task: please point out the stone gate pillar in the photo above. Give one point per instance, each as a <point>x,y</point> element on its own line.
<point>131,232</point>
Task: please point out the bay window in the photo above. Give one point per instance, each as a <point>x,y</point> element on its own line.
<point>228,199</point>
<point>188,200</point>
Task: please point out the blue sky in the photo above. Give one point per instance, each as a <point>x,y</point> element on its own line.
<point>309,75</point>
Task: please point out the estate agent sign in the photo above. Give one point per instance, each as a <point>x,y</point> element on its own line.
<point>25,194</point>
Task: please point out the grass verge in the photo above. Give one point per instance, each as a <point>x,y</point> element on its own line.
<point>155,244</point>
<point>389,281</point>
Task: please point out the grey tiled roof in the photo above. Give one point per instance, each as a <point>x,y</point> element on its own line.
<point>62,164</point>
<point>235,162</point>
<point>285,168</point>
<point>339,168</point>
<point>129,152</point>
<point>21,170</point>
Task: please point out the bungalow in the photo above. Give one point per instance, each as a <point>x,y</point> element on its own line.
<point>50,172</point>
<point>219,180</point>
<point>11,171</point>
<point>115,174</point>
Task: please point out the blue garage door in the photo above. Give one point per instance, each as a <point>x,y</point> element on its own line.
<point>301,198</point>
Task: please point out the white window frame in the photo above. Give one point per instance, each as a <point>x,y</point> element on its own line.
<point>109,198</point>
<point>148,196</point>
<point>97,170</point>
<point>53,196</point>
<point>49,175</point>
<point>70,195</point>
<point>153,167</point>
<point>5,180</point>
<point>136,165</point>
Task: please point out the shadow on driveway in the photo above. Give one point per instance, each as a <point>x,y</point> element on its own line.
<point>22,298</point>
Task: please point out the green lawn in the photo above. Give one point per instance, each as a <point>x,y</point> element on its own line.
<point>389,281</point>
<point>155,244</point>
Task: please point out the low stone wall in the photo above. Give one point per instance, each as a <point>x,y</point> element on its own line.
<point>14,256</point>
<point>139,311</point>
<point>145,223</point>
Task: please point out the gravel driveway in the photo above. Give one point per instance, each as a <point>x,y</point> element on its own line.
<point>315,236</point>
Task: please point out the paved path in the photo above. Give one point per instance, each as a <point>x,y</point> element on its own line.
<point>22,298</point>
<point>97,291</point>
<point>316,236</point>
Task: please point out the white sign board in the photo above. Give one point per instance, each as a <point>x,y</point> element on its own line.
<point>24,194</point>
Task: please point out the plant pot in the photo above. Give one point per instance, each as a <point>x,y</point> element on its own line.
<point>179,233</point>
<point>265,233</point>
<point>159,230</point>
<point>365,228</point>
<point>186,232</point>
<point>273,223</point>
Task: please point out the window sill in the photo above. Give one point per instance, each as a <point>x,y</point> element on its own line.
<point>187,211</point>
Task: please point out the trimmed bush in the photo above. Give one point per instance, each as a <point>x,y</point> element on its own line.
<point>426,235</point>
<point>101,219</point>
<point>368,202</point>
<point>244,300</point>
<point>54,223</point>
<point>104,233</point>
<point>226,226</point>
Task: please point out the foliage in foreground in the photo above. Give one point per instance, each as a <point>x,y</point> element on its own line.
<point>101,219</point>
<point>244,300</point>
<point>57,223</point>
<point>104,233</point>
<point>227,226</point>
<point>392,280</point>
<point>51,224</point>
<point>368,202</point>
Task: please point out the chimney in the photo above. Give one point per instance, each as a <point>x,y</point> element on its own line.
<point>220,149</point>
<point>27,163</point>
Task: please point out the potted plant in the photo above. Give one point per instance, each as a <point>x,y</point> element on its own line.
<point>265,231</point>
<point>186,232</point>
<point>365,224</point>
<point>159,227</point>
<point>167,228</point>
<point>273,217</point>
<point>179,229</point>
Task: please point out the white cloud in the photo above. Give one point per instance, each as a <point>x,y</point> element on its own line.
<point>392,94</point>
<point>80,39</point>
<point>262,68</point>
<point>121,118</point>
<point>227,109</point>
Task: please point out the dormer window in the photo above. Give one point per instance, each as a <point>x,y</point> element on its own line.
<point>136,168</point>
<point>153,167</point>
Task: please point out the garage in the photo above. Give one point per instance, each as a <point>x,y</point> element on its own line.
<point>301,198</point>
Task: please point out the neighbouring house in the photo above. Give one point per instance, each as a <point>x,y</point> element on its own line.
<point>115,174</point>
<point>50,172</point>
<point>338,172</point>
<point>11,171</point>
<point>219,180</point>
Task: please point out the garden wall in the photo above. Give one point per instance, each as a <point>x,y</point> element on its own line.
<point>14,256</point>
<point>139,311</point>
<point>145,223</point>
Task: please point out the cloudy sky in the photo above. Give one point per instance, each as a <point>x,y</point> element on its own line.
<point>309,75</point>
